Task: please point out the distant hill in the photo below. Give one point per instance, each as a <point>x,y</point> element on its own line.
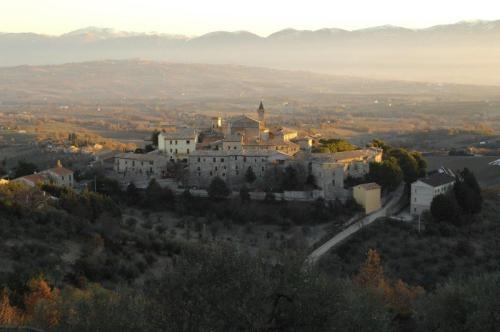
<point>120,80</point>
<point>465,52</point>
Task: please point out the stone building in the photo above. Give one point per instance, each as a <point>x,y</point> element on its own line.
<point>230,165</point>
<point>330,170</point>
<point>148,164</point>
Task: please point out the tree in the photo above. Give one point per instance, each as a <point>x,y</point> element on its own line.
<point>132,194</point>
<point>388,174</point>
<point>158,198</point>
<point>445,208</point>
<point>154,137</point>
<point>218,189</point>
<point>311,182</point>
<point>244,194</point>
<point>333,145</point>
<point>462,305</point>
<point>250,176</point>
<point>377,143</point>
<point>371,272</point>
<point>24,168</point>
<point>421,163</point>
<point>290,180</point>
<point>408,164</point>
<point>468,192</point>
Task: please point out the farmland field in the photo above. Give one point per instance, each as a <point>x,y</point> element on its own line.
<point>487,175</point>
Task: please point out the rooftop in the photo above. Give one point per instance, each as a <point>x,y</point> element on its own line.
<point>140,156</point>
<point>246,153</point>
<point>180,133</point>
<point>60,171</point>
<point>438,179</point>
<point>245,121</point>
<point>33,178</point>
<point>346,155</point>
<point>370,186</point>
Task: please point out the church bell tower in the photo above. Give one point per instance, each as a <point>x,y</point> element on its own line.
<point>261,114</point>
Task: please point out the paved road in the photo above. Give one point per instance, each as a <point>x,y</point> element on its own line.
<point>386,210</point>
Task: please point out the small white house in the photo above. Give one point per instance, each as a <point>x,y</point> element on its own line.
<point>424,190</point>
<point>178,145</point>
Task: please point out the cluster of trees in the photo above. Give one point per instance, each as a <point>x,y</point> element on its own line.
<point>398,165</point>
<point>333,145</point>
<point>459,205</point>
<point>219,289</point>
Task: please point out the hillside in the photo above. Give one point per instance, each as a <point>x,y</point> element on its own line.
<point>148,80</point>
<point>465,52</point>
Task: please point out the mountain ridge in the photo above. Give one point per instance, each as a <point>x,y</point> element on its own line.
<point>464,52</point>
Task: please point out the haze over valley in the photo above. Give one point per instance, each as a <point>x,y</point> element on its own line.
<point>443,53</point>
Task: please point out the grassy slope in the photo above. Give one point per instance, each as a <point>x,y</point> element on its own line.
<point>427,258</point>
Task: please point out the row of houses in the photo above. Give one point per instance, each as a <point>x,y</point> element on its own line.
<point>58,175</point>
<point>229,148</point>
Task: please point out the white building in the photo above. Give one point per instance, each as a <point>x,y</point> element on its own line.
<point>141,164</point>
<point>178,145</point>
<point>60,176</point>
<point>424,190</point>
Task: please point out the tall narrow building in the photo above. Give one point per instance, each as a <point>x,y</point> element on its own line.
<point>261,114</point>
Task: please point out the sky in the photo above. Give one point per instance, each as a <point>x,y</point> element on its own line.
<point>196,17</point>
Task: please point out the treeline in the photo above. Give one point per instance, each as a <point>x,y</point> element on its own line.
<point>218,289</point>
<point>460,205</point>
<point>398,165</point>
<point>240,210</point>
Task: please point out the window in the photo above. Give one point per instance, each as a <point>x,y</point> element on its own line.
<point>216,168</point>
<point>175,142</point>
<point>187,142</point>
<point>198,168</point>
<point>199,159</point>
<point>223,174</point>
<point>187,151</point>
<point>237,172</point>
<point>211,173</point>
<point>244,159</point>
<point>175,150</point>
<point>170,142</point>
<point>235,157</point>
<point>221,160</point>
<point>214,160</point>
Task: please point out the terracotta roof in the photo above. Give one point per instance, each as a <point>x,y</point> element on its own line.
<point>60,171</point>
<point>438,179</point>
<point>33,178</point>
